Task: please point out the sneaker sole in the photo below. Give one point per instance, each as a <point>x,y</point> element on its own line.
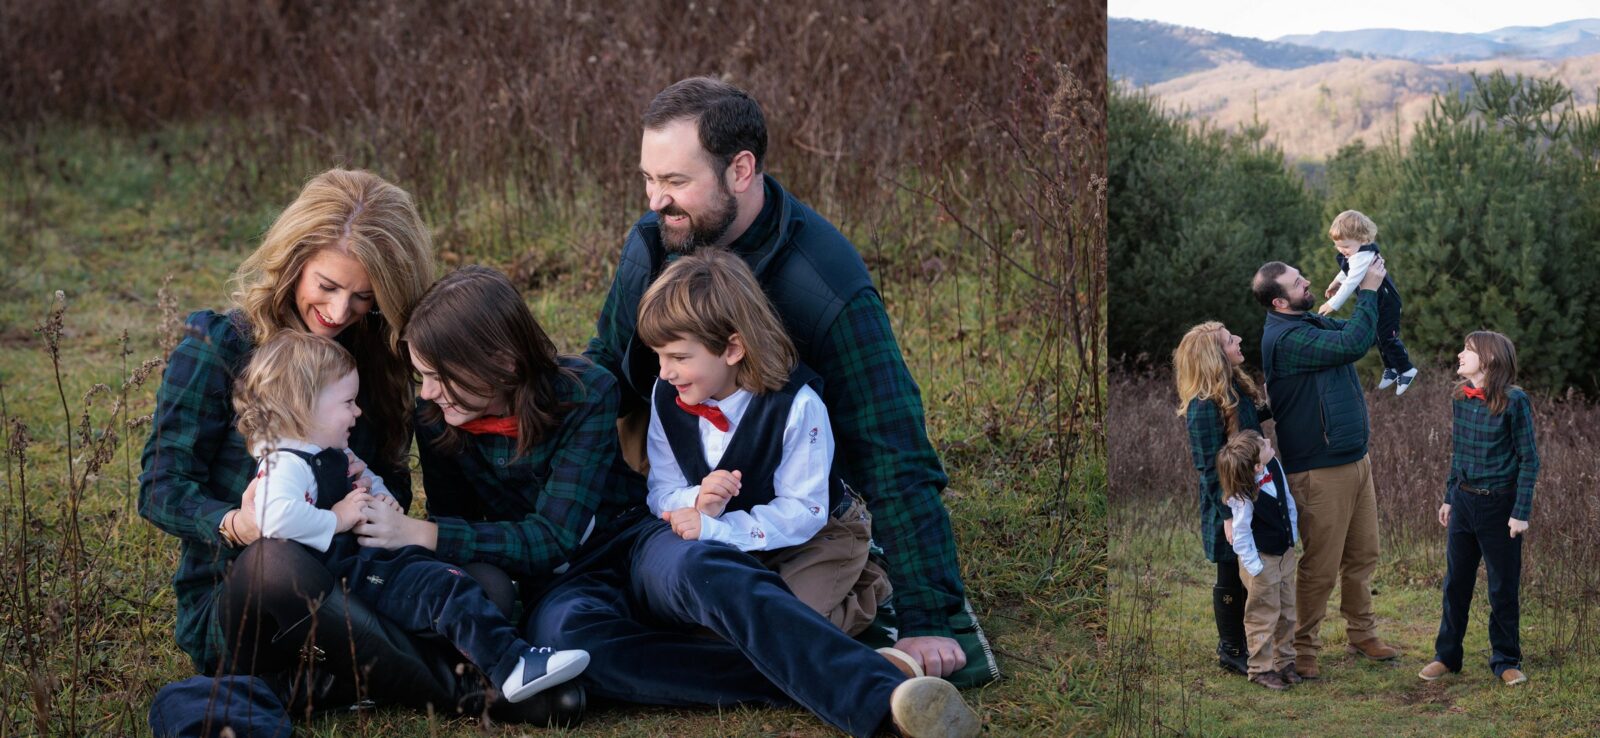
<point>902,661</point>
<point>563,673</point>
<point>930,707</point>
<point>1521,680</point>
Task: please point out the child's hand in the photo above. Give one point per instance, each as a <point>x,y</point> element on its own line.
<point>348,510</point>
<point>715,490</point>
<point>685,521</point>
<point>1227,530</point>
<point>1333,288</point>
<point>1444,515</point>
<point>356,464</point>
<point>1517,527</point>
<point>1326,308</point>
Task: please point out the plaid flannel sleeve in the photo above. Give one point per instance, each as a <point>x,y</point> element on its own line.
<point>1313,349</point>
<point>580,457</point>
<point>192,417</point>
<point>885,454</point>
<point>1207,435</point>
<point>1520,421</point>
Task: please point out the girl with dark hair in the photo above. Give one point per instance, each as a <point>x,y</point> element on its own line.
<point>517,442</point>
<point>1494,464</point>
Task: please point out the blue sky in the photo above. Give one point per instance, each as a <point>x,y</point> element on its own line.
<point>1270,19</point>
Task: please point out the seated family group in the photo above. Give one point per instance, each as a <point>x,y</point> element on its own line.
<point>684,515</point>
<point>1314,487</point>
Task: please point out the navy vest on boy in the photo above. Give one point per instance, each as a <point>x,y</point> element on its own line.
<point>1270,523</point>
<point>1386,291</point>
<point>756,447</point>
<point>1321,415</point>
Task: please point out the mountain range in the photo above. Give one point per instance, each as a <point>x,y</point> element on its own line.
<point>1315,100</point>
<point>1558,41</point>
<point>1150,52</point>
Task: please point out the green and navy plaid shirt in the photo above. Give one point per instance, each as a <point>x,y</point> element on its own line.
<point>526,514</point>
<point>196,467</point>
<point>884,452</point>
<point>1330,341</point>
<point>1208,433</point>
<point>1495,452</point>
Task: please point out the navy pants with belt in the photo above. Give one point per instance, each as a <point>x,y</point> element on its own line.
<point>422,594</point>
<point>1478,532</point>
<point>639,604</point>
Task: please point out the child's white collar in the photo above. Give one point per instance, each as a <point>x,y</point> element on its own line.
<point>284,444</point>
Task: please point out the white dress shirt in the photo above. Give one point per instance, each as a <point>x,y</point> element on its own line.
<point>1244,541</point>
<point>799,507</point>
<point>286,497</point>
<point>1355,270</point>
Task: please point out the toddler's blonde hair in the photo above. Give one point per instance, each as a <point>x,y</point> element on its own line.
<point>1353,225</point>
<point>276,393</point>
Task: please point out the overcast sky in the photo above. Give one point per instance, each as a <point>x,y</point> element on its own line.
<point>1269,19</point>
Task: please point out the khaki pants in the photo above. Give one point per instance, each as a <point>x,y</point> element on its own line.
<point>1339,528</point>
<point>633,431</point>
<point>1269,613</point>
<point>832,574</point>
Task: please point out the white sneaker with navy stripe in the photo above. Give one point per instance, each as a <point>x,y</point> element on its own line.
<point>1403,382</point>
<point>1389,377</point>
<point>541,668</point>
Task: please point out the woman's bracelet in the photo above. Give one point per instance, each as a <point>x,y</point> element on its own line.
<point>225,530</point>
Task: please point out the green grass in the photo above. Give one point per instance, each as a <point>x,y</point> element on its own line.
<point>1169,684</point>
<point>106,217</point>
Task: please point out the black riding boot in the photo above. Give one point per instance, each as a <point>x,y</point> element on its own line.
<point>1227,604</point>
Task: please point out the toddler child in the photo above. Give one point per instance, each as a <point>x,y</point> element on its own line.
<point>1494,464</point>
<point>296,404</point>
<point>1265,530</point>
<point>1355,238</point>
<point>739,445</point>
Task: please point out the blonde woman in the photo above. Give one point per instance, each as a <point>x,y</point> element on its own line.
<point>1217,399</point>
<point>347,260</point>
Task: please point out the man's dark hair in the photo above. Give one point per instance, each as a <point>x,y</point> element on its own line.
<point>728,119</point>
<point>1265,285</point>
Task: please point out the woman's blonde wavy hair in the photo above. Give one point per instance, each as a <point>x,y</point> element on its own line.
<point>276,395</point>
<point>1201,367</point>
<point>709,296</point>
<point>358,214</point>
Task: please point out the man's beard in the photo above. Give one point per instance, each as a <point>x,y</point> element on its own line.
<point>1305,302</point>
<point>704,229</point>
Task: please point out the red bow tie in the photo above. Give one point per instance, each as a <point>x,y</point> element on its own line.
<point>505,426</point>
<point>1266,479</point>
<point>1475,393</point>
<point>708,412</point>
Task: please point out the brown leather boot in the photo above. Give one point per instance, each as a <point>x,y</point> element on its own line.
<point>1271,680</point>
<point>1373,648</point>
<point>1305,664</point>
<point>1290,675</point>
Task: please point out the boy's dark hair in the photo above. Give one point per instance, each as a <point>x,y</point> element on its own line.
<point>1236,465</point>
<point>1265,286</point>
<point>728,119</point>
<point>474,330</point>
